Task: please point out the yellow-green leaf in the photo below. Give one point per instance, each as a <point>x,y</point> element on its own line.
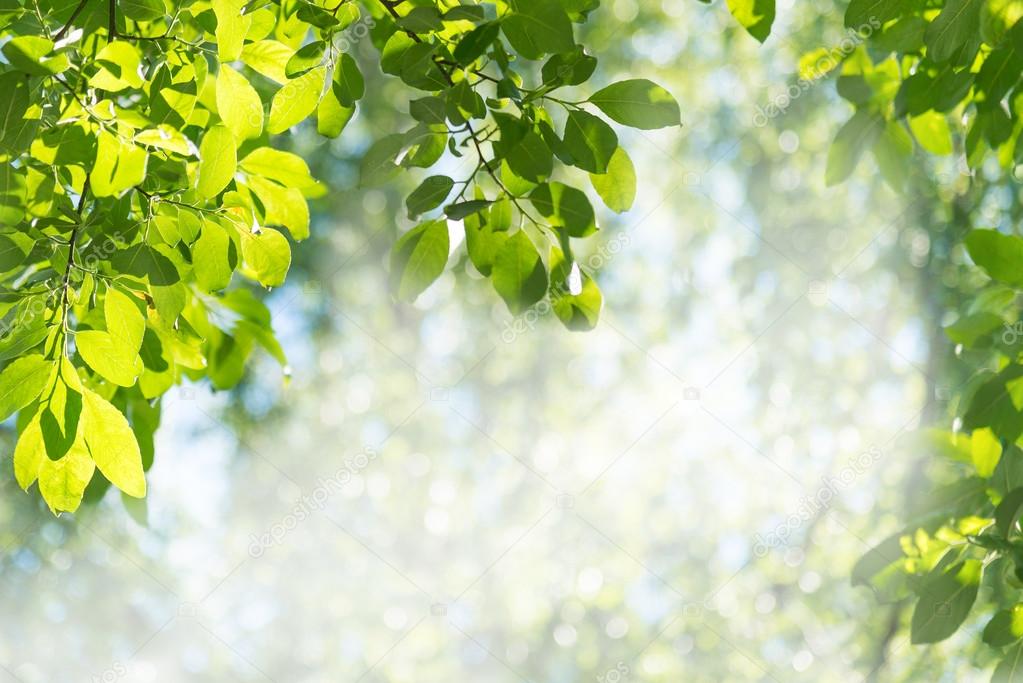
<point>296,100</point>
<point>985,451</point>
<point>125,321</point>
<point>112,444</point>
<point>239,104</point>
<point>218,160</point>
<point>120,165</point>
<point>29,453</point>
<point>21,382</point>
<point>232,25</point>
<point>268,254</point>
<point>110,358</point>
<point>62,482</point>
<point>617,187</point>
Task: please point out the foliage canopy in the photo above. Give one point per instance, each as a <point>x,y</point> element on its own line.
<point>144,194</point>
<point>143,191</point>
<point>943,79</point>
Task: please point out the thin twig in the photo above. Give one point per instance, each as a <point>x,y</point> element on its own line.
<point>71,19</point>
<point>392,6</point>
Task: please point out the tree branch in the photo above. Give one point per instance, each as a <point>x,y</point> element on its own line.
<point>391,6</point>
<point>74,15</point>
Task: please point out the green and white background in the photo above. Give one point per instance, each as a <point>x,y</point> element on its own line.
<point>442,492</point>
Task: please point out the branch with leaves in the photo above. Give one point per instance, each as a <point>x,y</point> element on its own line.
<point>145,197</point>
<point>944,82</point>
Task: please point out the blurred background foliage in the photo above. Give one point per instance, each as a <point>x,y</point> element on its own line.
<point>643,502</point>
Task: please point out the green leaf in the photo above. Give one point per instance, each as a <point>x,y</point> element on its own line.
<point>119,166</point>
<point>296,100</point>
<point>756,16</point>
<point>308,57</point>
<point>570,68</point>
<point>575,296</point>
<point>232,25</point>
<point>1010,669</point>
<point>483,241</point>
<point>475,43</point>
<point>617,187</point>
<point>14,101</point>
<point>286,168</point>
<point>145,262</point>
<point>218,161</point>
<point>124,320</point>
<point>1001,256</point>
<point>33,55</point>
<point>565,207</point>
<point>857,135</point>
<point>877,559</point>
<point>268,254</point>
<point>893,152</point>
<point>932,132</point>
<point>421,20</point>
<point>590,141</point>
<point>332,116</point>
<point>21,382</point>
<point>269,58</point>
<point>865,13</point>
<point>968,330</point>
<point>211,257</point>
<point>349,85</point>
<point>1008,511</point>
<point>283,206</point>
<point>1005,628</point>
<point>239,104</point>
<point>417,67</point>
<point>518,274</point>
<point>985,451</point>
<point>461,210</point>
<point>500,218</point>
<point>1001,70</point>
<point>530,158</point>
<point>62,482</point>
<point>945,601</point>
<point>109,357</point>
<point>142,10</point>
<point>112,444</point>
<point>418,258</point>
<point>378,163</point>
<point>119,64</point>
<point>165,137</point>
<point>638,103</point>
<point>998,404</point>
<point>428,110</point>
<point>29,453</point>
<point>430,194</point>
<point>61,414</point>
<point>957,23</point>
<point>538,27</point>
